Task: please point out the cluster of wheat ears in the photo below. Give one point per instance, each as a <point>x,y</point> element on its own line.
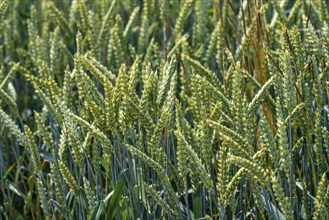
<point>164,109</point>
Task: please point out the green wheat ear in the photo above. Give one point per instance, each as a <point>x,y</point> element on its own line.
<point>13,128</point>
<point>45,134</point>
<point>253,169</point>
<point>60,19</point>
<point>130,22</point>
<point>62,146</point>
<point>91,197</point>
<point>155,195</point>
<point>194,162</point>
<point>181,153</point>
<point>9,77</point>
<point>33,148</point>
<point>55,174</point>
<point>223,173</point>
<point>186,5</point>
<point>159,170</point>
<point>69,179</point>
<point>3,9</point>
<point>282,200</point>
<point>117,35</point>
<point>9,101</point>
<point>142,38</point>
<point>46,101</point>
<point>321,211</point>
<point>106,23</point>
<point>217,108</point>
<point>43,197</point>
<point>260,94</point>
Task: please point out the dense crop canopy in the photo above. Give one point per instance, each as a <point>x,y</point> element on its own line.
<point>164,109</point>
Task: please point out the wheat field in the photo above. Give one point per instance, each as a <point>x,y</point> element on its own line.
<point>164,109</point>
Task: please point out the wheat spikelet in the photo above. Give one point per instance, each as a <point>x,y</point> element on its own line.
<point>167,76</point>
<point>95,131</point>
<point>147,102</point>
<point>305,199</point>
<point>43,198</point>
<point>90,195</point>
<point>96,156</point>
<point>183,169</point>
<point>9,101</point>
<point>87,88</point>
<point>257,194</point>
<point>186,5</point>
<point>222,172</point>
<point>13,128</point>
<point>285,156</point>
<point>321,196</point>
<point>144,117</point>
<point>297,145</point>
<point>3,8</point>
<point>143,37</point>
<point>46,136</point>
<point>67,94</point>
<point>118,48</point>
<point>205,134</point>
<point>280,197</point>
<point>258,86</point>
<point>212,43</point>
<point>225,131</point>
<point>62,146</point>
<point>321,11</point>
<point>9,76</point>
<point>33,148</point>
<point>260,94</point>
<point>69,179</point>
<point>236,148</point>
<point>97,69</point>
<point>318,146</point>
<point>48,103</point>
<point>312,44</point>
<point>60,19</point>
<point>154,194</point>
<point>236,109</point>
<point>72,12</point>
<point>87,142</point>
<point>294,11</point>
<point>109,108</point>
<point>325,135</point>
<point>201,70</point>
<point>230,187</point>
<point>220,46</point>
<point>199,22</point>
<point>252,168</point>
<point>106,23</point>
<point>130,22</point>
<point>54,53</point>
<point>56,178</point>
<point>159,170</point>
<point>74,142</point>
<point>32,32</point>
<point>81,6</point>
<point>195,162</point>
<point>248,125</point>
